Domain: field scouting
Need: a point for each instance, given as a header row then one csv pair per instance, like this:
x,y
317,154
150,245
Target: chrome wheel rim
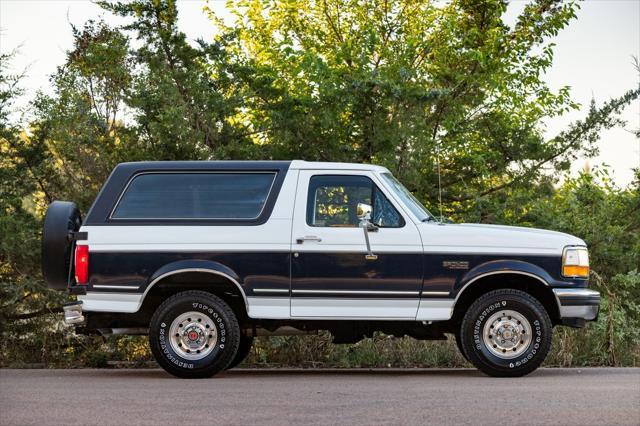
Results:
x,y
193,335
507,334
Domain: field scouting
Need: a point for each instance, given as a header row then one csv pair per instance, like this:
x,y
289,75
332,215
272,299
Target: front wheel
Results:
x,y
194,334
506,333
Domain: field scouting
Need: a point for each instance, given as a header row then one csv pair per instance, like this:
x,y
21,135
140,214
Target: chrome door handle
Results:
x,y
301,240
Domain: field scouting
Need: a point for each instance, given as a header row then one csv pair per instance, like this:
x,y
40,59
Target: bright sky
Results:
x,y
593,56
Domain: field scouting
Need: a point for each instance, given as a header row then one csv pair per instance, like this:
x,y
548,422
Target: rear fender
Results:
x,y
195,265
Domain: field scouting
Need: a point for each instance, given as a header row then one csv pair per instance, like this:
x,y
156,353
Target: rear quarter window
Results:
x,y
197,196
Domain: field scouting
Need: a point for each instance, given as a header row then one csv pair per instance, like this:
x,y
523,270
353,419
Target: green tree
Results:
x,y
415,85
407,84
183,109
23,295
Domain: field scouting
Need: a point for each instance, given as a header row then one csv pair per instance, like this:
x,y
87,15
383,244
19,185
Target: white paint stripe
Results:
x,y
435,309
270,308
180,248
308,308
348,308
110,302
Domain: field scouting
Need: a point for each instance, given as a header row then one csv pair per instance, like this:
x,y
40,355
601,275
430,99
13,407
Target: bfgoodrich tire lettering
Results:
x,y
534,321
216,312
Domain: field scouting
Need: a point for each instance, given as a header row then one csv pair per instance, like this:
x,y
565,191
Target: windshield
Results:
x,y
407,198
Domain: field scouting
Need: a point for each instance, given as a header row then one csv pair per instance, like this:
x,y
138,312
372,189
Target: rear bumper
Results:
x,y
577,303
73,314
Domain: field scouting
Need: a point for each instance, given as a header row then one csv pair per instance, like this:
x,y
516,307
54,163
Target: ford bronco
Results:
x,y
204,256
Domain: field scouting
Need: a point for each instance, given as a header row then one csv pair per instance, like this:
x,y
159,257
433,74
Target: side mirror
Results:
x,y
363,211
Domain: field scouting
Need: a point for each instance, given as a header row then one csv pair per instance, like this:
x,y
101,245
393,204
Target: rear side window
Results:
x,y
238,195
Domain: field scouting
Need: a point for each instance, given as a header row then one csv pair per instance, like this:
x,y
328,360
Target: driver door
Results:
x,y
332,276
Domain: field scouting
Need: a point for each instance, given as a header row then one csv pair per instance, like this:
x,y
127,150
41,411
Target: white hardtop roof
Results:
x,y
320,165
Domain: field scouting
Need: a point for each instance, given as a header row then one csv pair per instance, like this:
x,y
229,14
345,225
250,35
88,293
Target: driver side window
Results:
x,y
333,200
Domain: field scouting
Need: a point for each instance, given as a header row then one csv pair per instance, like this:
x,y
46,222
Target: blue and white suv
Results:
x,y
203,256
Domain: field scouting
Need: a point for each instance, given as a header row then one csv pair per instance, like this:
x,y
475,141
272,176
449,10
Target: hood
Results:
x,y
480,238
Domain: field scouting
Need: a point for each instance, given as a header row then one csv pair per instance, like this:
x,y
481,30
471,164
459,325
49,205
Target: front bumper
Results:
x,y
577,303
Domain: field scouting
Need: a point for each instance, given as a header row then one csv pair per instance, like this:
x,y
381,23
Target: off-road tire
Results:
x,y
458,340
243,351
226,327
62,217
475,345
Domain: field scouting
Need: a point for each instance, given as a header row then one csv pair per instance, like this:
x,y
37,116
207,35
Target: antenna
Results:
x,y
439,180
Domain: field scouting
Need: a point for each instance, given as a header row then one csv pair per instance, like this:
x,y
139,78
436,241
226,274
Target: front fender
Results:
x,y
496,267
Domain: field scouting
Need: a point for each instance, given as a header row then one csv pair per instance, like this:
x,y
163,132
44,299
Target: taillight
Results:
x,y
82,264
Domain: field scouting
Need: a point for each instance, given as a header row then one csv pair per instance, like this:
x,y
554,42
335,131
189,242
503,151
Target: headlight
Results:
x,y
575,262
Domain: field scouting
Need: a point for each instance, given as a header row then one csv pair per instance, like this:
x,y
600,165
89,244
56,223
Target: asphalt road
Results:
x,y
591,396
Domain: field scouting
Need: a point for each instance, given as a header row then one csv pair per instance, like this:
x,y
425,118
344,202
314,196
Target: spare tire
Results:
x,y
62,218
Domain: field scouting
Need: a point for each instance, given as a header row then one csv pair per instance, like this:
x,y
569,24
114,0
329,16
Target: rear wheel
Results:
x,y
506,333
194,334
458,339
243,351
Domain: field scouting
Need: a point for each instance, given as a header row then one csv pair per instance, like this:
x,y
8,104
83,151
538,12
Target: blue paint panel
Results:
x,y
440,279
251,270
400,272
396,272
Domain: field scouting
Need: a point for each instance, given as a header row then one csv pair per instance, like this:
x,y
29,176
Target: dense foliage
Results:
x,y
417,86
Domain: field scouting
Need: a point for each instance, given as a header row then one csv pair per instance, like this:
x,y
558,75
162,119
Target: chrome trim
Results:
x,y
164,172
354,292
436,293
573,292
180,271
73,314
271,290
301,240
117,287
586,312
507,334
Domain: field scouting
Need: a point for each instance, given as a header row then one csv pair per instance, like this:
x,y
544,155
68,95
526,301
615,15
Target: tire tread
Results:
x,y
233,334
479,361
